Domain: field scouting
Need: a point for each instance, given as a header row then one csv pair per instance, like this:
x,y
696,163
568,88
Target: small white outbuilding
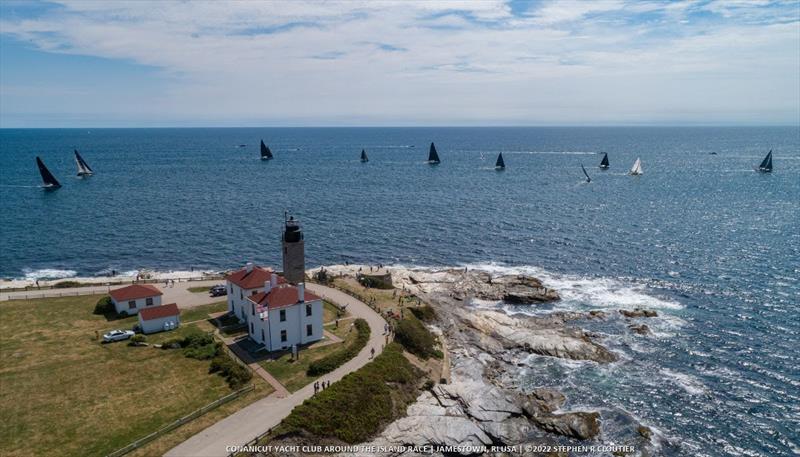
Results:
x,y
160,318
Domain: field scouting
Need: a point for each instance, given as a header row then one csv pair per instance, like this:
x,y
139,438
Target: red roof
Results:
x,y
254,279
158,312
278,297
134,292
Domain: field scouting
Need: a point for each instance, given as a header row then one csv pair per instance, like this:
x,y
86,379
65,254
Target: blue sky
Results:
x,y
84,63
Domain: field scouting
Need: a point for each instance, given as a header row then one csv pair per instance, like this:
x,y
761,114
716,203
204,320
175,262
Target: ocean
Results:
x,y
710,244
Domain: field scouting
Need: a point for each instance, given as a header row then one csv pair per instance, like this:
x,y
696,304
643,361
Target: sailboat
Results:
x,y
364,157
636,170
266,154
766,164
500,164
50,181
433,156
604,162
588,179
83,168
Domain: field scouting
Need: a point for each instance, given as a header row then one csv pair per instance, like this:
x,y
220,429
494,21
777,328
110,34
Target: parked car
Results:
x,y
117,335
218,290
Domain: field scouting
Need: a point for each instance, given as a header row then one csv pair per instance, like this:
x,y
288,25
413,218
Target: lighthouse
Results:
x,y
294,263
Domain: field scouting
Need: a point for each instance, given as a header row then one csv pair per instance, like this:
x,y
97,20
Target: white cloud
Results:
x,y
461,61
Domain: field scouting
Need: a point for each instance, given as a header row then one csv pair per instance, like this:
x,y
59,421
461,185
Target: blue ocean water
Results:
x,y
711,244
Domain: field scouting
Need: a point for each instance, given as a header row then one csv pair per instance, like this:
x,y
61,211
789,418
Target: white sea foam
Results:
x,y
47,273
688,382
595,292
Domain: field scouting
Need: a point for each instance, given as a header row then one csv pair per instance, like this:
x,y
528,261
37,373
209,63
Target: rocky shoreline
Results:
x,y
481,405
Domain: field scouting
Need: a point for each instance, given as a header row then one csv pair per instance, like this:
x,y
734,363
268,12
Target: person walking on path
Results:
x,y
372,353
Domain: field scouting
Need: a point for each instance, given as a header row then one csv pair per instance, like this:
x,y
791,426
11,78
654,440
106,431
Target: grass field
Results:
x,y
63,393
293,374
199,290
201,312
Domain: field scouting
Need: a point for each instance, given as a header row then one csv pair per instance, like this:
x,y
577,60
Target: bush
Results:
x,y
138,339
336,359
413,335
235,374
200,346
361,403
104,306
423,313
66,284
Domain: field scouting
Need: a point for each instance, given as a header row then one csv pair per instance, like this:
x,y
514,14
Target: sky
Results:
x,y
91,63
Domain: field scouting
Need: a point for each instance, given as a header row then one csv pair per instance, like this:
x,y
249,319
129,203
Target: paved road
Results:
x,y
178,293
247,423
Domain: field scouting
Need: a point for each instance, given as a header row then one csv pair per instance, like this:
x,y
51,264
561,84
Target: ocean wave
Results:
x,y
47,273
687,382
603,293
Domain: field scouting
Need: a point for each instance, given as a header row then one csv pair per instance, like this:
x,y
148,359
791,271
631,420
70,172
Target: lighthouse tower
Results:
x,y
294,263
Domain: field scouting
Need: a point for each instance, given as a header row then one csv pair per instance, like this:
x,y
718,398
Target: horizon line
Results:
x,y
737,125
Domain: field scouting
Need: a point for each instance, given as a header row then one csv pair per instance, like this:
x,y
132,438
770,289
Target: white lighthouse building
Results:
x,y
278,314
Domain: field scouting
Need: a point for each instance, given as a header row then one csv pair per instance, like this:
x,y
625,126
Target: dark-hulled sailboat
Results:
x,y
83,168
364,157
266,154
766,164
604,162
433,156
50,181
588,179
500,164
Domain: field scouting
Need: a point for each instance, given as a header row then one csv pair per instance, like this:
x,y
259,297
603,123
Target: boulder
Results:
x,y
641,329
581,425
435,430
638,312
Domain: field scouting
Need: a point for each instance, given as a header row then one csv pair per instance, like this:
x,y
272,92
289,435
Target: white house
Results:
x,y
134,298
245,283
160,318
284,315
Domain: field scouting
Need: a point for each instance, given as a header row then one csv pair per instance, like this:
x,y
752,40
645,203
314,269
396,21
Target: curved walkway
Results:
x,y
255,419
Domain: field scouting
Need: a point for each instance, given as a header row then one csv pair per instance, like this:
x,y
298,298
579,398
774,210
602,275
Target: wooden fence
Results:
x,y
183,420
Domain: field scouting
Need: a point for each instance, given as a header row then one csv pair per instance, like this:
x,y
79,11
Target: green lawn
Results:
x,y
199,290
201,312
293,374
64,394
330,312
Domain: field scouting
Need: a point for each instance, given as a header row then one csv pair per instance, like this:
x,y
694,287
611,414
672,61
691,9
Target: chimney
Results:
x,y
301,292
273,279
267,286
248,266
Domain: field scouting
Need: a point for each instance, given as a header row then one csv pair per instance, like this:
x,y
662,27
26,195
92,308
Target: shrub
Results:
x,y
336,359
413,335
423,313
104,306
235,374
66,284
137,340
361,403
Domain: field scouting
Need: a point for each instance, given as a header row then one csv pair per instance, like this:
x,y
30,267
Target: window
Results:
x,y
132,304
283,336
251,328
309,330
253,293
262,334
231,287
241,295
148,301
252,309
308,310
283,315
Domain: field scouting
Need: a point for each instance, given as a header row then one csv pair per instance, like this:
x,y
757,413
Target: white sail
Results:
x,y
637,167
81,169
